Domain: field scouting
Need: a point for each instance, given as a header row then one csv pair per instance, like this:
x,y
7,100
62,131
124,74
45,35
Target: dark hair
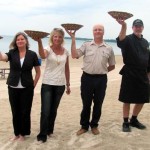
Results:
x,y
13,44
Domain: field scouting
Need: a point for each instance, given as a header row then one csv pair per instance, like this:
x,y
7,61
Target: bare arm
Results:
x,y
37,75
110,68
74,53
67,74
42,52
122,33
3,57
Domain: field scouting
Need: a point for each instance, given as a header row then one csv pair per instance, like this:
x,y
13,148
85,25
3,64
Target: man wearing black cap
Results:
x,y
135,83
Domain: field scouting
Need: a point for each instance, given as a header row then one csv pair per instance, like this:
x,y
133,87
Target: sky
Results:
x,y
44,15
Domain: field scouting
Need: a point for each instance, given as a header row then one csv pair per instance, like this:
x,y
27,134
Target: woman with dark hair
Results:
x,y
21,83
56,76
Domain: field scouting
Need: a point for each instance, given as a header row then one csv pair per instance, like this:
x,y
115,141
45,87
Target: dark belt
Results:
x,y
94,75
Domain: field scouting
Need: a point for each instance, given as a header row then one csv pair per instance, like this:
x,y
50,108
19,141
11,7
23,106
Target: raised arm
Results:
x,y
122,33
74,53
42,52
3,57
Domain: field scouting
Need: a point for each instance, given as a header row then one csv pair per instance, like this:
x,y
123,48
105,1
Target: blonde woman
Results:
x,y
56,77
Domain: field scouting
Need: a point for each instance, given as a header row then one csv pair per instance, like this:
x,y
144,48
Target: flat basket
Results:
x,y
120,14
36,34
71,26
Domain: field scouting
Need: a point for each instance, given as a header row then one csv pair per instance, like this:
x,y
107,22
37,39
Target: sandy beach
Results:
x,y
111,136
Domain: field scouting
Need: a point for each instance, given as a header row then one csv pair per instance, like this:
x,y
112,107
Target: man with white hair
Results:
x,y
98,60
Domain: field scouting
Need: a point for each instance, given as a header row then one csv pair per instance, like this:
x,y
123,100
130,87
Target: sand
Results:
x,y
111,136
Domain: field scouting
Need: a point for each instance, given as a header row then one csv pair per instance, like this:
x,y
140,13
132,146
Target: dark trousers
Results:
x,y
50,99
21,103
93,88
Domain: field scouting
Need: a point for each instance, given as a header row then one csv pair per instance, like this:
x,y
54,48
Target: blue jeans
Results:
x,y
50,99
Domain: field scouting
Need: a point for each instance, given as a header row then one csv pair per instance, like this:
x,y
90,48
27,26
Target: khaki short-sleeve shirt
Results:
x,y
96,58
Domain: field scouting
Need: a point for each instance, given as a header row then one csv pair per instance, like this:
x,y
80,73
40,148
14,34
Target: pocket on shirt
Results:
x,y
105,54
89,56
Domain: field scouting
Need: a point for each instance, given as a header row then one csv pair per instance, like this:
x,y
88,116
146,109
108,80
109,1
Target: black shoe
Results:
x,y
126,127
137,124
41,138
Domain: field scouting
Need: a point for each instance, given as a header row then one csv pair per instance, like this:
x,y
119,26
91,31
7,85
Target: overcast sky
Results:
x,y
44,15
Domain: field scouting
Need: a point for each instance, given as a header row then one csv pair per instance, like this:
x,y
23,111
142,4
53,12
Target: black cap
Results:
x,y
138,22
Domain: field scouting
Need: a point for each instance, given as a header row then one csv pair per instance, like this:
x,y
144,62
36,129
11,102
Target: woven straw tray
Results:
x,y
71,26
1,37
36,34
120,14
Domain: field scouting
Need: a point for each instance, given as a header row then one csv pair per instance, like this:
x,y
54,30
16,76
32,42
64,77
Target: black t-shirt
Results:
x,y
135,51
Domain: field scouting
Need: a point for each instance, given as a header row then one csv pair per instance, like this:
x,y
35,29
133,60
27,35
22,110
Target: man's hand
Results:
x,y
121,21
71,33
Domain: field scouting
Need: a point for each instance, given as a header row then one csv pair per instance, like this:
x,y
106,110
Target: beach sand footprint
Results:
x,y
116,130
87,140
92,142
73,139
10,145
38,145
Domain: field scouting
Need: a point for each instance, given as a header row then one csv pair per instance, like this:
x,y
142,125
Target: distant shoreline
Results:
x,y
79,38
86,39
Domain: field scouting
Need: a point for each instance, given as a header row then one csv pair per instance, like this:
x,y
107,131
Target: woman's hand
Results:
x,y
3,57
36,39
68,91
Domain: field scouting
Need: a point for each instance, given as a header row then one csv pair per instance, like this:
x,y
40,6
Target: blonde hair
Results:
x,y
56,30
13,44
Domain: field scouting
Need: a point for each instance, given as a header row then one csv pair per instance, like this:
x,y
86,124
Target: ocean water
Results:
x,y
6,40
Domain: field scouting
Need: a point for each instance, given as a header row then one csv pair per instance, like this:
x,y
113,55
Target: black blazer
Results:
x,y
25,72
